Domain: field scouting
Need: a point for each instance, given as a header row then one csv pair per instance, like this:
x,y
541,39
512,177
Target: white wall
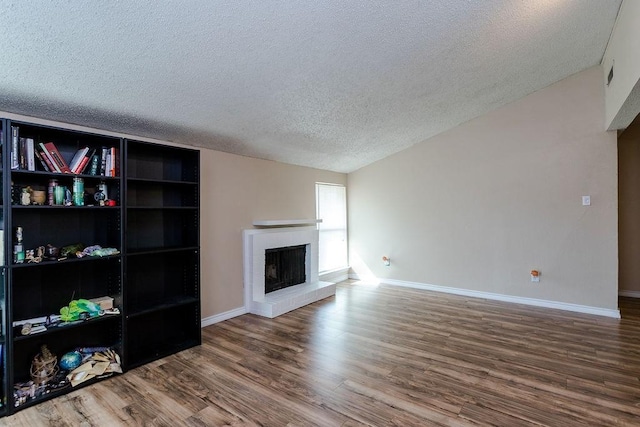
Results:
x,y
623,94
481,205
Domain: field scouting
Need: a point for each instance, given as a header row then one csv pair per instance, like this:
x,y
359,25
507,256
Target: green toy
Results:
x,y
75,309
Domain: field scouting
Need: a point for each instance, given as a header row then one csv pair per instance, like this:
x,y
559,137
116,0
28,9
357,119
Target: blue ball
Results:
x,y
71,360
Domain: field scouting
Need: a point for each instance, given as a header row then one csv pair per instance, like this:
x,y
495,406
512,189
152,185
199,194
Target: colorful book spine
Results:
x,y
112,166
85,161
57,157
103,161
77,158
47,157
44,164
116,162
22,153
31,154
15,148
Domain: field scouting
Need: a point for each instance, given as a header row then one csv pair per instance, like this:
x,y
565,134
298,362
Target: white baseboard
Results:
x,y
223,316
457,291
500,297
630,294
356,276
335,276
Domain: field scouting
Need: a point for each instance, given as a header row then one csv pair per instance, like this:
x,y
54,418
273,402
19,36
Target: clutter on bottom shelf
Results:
x,y
74,368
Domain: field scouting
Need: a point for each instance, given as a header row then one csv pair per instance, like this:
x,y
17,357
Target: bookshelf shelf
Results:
x,y
67,327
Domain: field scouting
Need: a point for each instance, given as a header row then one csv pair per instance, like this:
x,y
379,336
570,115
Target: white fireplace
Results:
x,y
277,235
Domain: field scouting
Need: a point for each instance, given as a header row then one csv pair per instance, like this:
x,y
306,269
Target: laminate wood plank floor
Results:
x,y
380,356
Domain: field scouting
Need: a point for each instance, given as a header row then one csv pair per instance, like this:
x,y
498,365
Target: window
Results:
x,y
331,208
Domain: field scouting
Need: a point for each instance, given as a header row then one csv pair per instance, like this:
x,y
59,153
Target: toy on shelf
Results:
x,y
80,309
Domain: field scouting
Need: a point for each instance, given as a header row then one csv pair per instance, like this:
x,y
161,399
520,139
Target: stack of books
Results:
x,y
104,161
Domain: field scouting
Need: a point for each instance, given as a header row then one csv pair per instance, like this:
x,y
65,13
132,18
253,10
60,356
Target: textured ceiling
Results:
x,y
327,83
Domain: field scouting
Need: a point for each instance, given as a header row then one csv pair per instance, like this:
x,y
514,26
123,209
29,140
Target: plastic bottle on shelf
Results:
x,y
18,248
78,192
50,191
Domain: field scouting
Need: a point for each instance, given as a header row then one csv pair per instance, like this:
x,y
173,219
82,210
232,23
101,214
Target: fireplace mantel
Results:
x,y
272,304
284,222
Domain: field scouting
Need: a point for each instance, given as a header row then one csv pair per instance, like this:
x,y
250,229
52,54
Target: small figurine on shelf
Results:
x,y
51,252
25,196
101,193
38,197
35,255
44,366
68,197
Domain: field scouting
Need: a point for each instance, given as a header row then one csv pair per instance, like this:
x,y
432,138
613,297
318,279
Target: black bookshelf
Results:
x,y
4,371
162,295
143,202
41,289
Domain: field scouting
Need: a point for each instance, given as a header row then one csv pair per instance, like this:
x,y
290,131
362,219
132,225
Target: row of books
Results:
x,y
24,152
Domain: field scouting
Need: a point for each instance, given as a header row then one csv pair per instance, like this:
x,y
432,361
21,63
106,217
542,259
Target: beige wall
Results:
x,y
236,191
479,206
629,207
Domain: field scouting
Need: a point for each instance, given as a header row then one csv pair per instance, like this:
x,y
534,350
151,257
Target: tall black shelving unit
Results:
x,y
36,290
162,269
154,280
4,372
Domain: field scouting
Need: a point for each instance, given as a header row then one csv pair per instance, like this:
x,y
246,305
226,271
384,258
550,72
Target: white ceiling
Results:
x,y
327,83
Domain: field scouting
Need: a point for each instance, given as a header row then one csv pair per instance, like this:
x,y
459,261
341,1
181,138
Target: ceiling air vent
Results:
x,y
610,76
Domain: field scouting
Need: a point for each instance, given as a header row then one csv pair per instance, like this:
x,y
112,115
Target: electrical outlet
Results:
x,y
535,275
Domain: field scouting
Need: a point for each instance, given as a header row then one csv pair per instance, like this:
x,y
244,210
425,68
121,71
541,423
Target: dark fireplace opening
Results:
x,y
284,267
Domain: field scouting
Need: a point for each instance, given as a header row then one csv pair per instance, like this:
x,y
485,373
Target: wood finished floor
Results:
x,y
381,356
